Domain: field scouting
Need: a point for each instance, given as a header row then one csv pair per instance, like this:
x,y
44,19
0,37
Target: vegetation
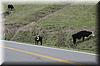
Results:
x,y
55,23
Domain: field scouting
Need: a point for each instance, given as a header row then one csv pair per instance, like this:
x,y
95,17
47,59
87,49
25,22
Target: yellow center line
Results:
x,y
40,55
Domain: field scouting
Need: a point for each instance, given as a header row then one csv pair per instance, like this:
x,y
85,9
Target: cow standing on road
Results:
x,y
38,39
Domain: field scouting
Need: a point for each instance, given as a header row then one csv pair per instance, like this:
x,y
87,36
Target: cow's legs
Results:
x,y
74,40
41,42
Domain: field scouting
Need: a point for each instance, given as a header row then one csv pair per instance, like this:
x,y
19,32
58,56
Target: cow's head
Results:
x,y
93,34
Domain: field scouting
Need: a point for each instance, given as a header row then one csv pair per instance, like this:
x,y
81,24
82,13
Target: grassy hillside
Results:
x,y
18,18
56,23
69,20
26,14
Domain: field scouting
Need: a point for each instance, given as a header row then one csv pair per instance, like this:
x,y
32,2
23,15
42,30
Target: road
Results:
x,y
22,52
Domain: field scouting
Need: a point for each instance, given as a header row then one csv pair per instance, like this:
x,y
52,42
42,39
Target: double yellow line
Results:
x,y
40,55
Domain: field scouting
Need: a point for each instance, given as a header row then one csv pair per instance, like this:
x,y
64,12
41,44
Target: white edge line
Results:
x,y
49,47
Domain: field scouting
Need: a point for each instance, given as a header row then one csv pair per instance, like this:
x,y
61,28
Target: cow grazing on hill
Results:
x,y
81,34
10,7
38,39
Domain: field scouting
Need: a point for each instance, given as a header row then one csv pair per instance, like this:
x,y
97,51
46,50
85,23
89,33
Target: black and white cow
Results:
x,y
38,39
81,34
10,7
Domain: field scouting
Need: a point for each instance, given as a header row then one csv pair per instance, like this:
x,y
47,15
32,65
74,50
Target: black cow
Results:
x,y
38,39
81,34
10,7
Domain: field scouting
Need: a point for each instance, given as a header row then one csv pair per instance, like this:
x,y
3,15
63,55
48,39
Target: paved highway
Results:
x,y
22,52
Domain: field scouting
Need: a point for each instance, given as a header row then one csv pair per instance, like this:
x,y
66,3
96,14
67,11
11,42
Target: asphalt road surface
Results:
x,y
22,52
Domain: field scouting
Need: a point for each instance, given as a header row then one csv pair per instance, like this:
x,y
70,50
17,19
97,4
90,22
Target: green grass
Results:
x,y
76,16
73,19
20,17
22,12
56,28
